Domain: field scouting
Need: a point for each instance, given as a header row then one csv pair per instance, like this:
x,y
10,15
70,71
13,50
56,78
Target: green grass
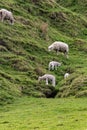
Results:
x,y
24,57
44,114
24,47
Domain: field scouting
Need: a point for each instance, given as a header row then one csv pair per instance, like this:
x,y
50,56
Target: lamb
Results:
x,y
48,77
59,46
53,65
6,15
66,75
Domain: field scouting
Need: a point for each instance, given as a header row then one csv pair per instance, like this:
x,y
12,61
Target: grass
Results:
x,y
24,52
24,57
44,114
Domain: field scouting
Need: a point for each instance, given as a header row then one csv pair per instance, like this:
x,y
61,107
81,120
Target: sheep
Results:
x,y
59,46
6,15
66,75
53,65
48,77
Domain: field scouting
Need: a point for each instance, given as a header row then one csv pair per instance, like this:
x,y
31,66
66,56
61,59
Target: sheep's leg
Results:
x,y
52,67
46,81
2,19
53,83
57,52
66,55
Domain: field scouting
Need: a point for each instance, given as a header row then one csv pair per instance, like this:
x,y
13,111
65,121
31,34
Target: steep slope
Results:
x,y
24,48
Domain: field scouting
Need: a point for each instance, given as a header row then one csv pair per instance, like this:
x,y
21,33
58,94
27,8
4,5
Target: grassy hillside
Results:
x,y
24,48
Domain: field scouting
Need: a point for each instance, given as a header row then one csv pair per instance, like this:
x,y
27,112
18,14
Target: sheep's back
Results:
x,y
61,46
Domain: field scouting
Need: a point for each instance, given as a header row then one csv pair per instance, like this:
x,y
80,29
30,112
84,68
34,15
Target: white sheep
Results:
x,y
53,65
6,15
48,77
59,46
66,75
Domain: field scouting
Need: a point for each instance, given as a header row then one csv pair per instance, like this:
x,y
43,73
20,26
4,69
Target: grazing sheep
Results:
x,y
53,65
59,46
6,15
66,75
48,77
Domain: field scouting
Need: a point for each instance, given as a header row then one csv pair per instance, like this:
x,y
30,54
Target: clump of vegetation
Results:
x,y
2,48
73,86
44,30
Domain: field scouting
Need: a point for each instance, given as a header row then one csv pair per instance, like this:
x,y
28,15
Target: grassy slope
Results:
x,y
23,47
44,114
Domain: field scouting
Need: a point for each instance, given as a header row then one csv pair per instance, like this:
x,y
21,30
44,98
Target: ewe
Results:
x,y
59,46
48,77
66,75
6,15
53,65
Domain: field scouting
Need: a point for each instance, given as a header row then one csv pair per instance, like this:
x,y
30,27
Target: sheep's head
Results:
x,y
66,75
39,78
50,48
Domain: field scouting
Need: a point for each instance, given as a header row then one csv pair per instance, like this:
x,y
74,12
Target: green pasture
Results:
x,y
44,114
